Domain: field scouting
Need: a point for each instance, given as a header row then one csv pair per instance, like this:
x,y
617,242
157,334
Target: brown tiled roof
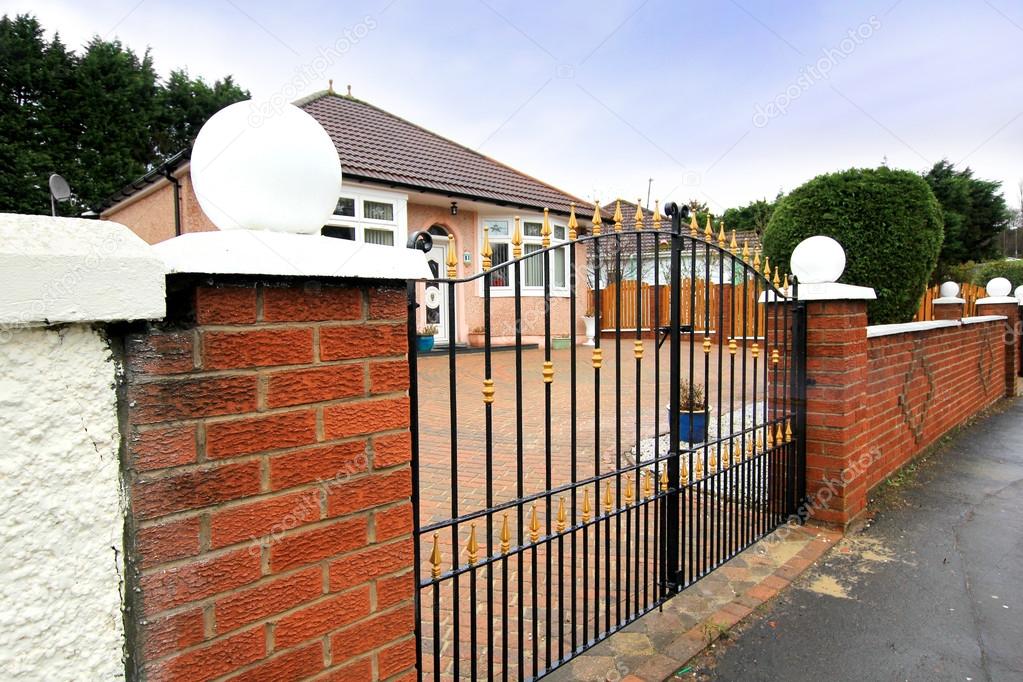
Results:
x,y
378,146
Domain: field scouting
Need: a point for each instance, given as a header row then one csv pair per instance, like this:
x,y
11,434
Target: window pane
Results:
x,y
559,231
377,210
534,266
498,228
385,237
532,229
500,255
345,206
338,232
558,265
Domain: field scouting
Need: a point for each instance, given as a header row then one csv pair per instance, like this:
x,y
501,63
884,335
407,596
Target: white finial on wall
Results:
x,y
818,260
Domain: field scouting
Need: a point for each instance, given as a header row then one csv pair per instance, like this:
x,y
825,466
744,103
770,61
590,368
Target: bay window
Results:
x,y
532,271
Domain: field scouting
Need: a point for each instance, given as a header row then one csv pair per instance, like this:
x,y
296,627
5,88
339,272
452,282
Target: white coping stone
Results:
x,y
997,299
977,319
251,252
948,300
826,291
908,327
57,270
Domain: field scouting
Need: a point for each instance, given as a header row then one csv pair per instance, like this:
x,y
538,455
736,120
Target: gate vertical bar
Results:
x,y
672,500
413,396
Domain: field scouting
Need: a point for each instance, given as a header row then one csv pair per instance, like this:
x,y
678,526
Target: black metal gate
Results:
x,y
554,503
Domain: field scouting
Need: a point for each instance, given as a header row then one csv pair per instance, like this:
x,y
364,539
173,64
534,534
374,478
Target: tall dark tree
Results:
x,y
100,118
974,211
753,217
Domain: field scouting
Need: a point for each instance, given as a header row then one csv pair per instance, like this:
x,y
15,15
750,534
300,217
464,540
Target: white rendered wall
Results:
x,y
61,557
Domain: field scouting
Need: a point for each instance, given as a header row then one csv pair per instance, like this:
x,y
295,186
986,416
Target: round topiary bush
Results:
x,y
888,221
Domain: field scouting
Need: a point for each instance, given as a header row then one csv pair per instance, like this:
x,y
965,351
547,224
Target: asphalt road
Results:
x,y
930,589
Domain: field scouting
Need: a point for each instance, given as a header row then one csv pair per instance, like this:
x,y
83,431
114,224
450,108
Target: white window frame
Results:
x,y
509,289
399,226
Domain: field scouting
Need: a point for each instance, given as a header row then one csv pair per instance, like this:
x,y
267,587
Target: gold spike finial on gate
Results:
x,y
775,356
706,344
486,251
770,437
648,485
734,246
452,259
684,473
779,437
505,535
639,214
637,349
657,214
598,358
617,217
628,489
561,514
608,500
760,441
545,230
777,281
749,447
732,346
488,391
664,479
785,282
721,234
788,430
767,268
755,350
708,231
745,249
712,461
473,548
573,224
516,238
596,218
534,524
548,372
586,505
756,260
435,557
698,473
693,225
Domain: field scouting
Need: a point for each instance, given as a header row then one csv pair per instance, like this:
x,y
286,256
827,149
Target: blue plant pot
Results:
x,y
694,429
424,343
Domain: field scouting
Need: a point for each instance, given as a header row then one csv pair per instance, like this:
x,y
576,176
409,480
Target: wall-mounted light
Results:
x,y
454,208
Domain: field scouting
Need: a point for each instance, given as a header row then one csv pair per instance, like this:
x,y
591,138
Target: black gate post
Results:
x,y
799,397
671,508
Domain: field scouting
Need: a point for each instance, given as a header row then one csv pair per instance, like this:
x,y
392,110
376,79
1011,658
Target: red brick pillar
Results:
x,y
269,480
1009,307
948,308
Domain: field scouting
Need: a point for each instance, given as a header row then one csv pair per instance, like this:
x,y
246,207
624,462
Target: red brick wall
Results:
x,y
922,385
268,456
875,403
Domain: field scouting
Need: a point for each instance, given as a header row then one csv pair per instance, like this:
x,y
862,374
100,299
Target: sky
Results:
x,y
724,101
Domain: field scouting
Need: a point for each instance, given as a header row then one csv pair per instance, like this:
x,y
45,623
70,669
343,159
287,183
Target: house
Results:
x,y
399,178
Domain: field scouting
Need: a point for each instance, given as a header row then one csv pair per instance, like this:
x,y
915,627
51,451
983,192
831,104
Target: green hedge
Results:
x,y
984,272
887,220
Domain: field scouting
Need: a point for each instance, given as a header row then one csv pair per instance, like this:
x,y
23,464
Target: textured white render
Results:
x,y
61,538
75,270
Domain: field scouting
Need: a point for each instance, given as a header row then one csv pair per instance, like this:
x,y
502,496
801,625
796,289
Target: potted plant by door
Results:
x,y
692,412
424,339
477,337
591,326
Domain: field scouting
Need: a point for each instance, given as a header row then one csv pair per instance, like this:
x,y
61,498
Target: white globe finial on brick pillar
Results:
x,y
818,260
265,168
949,290
1019,293
999,286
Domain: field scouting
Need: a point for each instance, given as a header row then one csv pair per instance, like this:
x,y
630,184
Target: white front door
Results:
x,y
438,316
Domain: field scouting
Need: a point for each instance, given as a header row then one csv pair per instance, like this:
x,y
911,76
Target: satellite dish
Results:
x,y
59,191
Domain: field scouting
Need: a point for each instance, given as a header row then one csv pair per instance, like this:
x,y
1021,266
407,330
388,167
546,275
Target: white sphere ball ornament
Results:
x,y
818,259
999,286
278,172
1019,292
949,290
